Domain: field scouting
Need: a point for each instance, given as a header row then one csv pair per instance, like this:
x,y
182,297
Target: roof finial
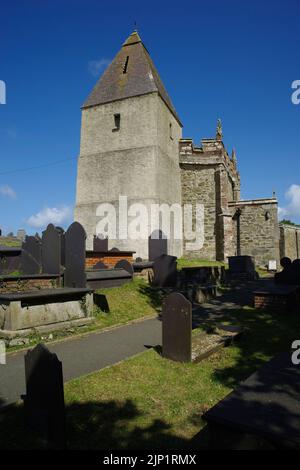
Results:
x,y
135,25
219,134
233,155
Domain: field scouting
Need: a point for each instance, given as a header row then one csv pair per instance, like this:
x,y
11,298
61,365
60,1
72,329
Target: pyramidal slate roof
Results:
x,y
131,73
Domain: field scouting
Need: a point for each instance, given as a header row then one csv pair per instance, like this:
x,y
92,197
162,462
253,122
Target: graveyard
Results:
x,y
149,248
204,330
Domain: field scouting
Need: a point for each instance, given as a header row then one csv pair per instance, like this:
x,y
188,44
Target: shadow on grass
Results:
x,y
93,425
155,296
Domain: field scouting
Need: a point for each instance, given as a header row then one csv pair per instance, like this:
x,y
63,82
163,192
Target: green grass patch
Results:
x,y
129,302
182,262
10,242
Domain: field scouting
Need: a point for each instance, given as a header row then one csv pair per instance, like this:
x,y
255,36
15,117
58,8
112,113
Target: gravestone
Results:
x,y
100,301
264,409
62,246
100,243
44,400
31,257
99,265
74,275
177,328
157,245
124,264
241,264
165,271
51,250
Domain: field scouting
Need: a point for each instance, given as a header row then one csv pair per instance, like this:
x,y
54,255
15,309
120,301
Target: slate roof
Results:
x,y
141,77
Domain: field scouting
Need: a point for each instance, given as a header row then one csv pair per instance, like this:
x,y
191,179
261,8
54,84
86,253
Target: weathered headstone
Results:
x,y
157,245
51,250
241,264
99,265
74,275
44,400
100,243
62,245
177,328
31,257
124,264
165,271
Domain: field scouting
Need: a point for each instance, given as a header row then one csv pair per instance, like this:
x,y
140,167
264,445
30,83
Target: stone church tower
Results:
x,y
130,134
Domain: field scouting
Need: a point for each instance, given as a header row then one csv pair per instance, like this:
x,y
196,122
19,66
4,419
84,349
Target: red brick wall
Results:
x,y
110,260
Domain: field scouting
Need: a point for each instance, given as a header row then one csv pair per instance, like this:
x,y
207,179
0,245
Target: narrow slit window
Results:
x,y
171,131
126,65
117,120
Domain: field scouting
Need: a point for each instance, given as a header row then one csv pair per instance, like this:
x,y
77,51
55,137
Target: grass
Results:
x,y
10,242
182,262
150,402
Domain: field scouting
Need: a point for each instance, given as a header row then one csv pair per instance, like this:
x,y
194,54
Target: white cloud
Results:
x,y
95,67
50,215
292,209
7,191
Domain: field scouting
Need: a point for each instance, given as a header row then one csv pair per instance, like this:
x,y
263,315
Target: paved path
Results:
x,y
89,353
83,355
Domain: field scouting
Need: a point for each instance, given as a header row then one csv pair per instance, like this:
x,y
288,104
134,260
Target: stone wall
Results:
x,y
199,186
210,177
139,160
259,232
289,241
19,284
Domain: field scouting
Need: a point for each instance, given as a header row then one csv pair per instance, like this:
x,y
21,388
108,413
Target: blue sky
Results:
x,y
229,59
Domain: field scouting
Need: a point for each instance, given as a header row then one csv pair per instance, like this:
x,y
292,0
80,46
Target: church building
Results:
x,y
131,145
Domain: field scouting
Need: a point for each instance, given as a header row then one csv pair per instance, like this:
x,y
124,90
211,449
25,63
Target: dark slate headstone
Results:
x,y
177,328
13,263
100,243
241,264
62,245
124,264
165,271
51,250
265,406
74,275
10,261
99,265
100,301
44,400
31,257
157,245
